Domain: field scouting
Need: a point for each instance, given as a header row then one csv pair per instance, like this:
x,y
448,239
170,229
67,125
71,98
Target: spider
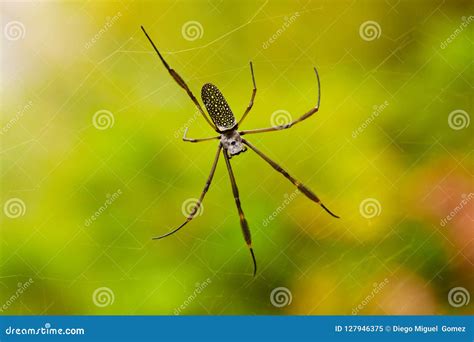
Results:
x,y
231,143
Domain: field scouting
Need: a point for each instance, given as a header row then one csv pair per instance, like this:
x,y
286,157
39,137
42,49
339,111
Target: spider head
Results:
x,y
232,143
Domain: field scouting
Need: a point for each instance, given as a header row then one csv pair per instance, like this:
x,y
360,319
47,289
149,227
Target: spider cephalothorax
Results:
x,y
231,142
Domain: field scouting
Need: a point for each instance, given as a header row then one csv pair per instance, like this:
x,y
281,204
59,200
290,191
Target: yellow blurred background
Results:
x,y
93,165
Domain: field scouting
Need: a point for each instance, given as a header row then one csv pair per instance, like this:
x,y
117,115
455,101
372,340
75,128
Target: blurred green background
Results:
x,y
91,125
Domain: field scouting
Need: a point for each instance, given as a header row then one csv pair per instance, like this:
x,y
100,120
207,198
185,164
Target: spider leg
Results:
x,y
203,193
308,193
294,122
252,98
180,81
185,138
243,221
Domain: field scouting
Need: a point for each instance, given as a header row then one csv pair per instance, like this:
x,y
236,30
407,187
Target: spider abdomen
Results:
x,y
217,107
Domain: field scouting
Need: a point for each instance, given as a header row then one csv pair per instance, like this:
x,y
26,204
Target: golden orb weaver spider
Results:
x,y
231,143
